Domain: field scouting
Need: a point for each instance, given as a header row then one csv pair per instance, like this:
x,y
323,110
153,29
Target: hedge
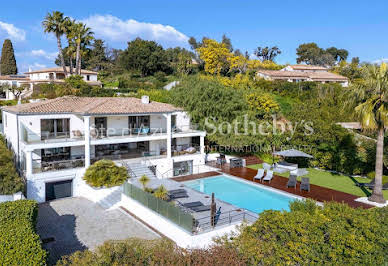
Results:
x,y
19,243
10,181
335,234
135,251
105,173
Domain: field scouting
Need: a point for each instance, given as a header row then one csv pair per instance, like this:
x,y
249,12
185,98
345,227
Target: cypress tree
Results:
x,y
8,61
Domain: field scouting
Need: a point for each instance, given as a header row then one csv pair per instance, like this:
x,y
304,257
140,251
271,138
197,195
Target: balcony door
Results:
x,y
101,125
54,128
136,122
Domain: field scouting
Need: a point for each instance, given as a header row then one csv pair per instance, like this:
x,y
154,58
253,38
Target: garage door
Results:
x,y
57,190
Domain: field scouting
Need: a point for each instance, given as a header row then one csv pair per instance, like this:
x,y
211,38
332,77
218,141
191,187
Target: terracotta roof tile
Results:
x,y
92,106
308,67
315,76
60,70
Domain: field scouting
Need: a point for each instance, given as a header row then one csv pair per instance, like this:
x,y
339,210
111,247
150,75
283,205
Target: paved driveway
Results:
x,y
72,224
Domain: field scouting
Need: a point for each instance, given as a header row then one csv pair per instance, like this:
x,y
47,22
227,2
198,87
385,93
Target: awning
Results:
x,y
292,153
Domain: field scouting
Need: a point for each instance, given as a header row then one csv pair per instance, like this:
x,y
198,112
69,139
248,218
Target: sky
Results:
x,y
361,27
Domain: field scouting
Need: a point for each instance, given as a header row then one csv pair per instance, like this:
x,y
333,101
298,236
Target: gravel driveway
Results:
x,y
72,224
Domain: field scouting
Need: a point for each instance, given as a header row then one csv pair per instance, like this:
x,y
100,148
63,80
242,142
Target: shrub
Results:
x,y
105,173
310,234
10,181
19,244
135,251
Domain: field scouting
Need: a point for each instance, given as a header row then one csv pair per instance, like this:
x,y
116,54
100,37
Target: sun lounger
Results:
x,y
201,208
371,184
292,181
266,166
268,177
305,184
178,195
259,175
175,191
192,204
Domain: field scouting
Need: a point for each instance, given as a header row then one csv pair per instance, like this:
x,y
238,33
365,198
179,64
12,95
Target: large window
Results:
x,y
54,128
56,154
138,122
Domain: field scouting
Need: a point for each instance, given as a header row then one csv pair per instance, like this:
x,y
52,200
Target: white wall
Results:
x,y
10,129
158,122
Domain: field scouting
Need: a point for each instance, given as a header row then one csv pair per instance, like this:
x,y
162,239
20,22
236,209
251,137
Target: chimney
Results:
x,y
145,99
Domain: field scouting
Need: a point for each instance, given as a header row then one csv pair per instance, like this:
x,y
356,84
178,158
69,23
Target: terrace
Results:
x,y
317,192
191,221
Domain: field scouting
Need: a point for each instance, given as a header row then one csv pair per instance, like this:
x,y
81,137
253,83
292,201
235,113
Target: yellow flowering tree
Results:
x,y
262,104
215,55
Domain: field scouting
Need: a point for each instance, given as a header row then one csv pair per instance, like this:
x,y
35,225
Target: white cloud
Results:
x,y
114,29
12,31
379,61
42,53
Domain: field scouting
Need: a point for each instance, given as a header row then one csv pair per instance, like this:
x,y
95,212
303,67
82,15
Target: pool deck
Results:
x,y
317,193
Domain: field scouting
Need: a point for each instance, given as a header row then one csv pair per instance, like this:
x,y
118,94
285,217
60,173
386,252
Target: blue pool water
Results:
x,y
241,194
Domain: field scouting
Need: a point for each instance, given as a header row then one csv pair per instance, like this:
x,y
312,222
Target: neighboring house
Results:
x,y
56,140
298,73
47,75
11,80
57,75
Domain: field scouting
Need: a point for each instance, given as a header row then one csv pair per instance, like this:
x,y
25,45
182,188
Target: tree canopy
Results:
x,y
144,56
312,54
8,61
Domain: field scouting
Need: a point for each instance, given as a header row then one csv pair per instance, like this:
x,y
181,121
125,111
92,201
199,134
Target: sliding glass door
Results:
x,y
54,128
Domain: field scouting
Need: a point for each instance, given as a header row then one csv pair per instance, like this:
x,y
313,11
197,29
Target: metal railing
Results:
x,y
47,137
185,128
224,218
164,208
196,169
185,149
40,166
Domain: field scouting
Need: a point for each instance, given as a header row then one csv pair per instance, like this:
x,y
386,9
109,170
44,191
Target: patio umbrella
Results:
x,y
293,153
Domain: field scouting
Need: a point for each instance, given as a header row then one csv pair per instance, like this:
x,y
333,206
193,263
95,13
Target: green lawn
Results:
x,y
334,181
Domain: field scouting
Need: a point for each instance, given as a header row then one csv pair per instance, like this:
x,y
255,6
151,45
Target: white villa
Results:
x,y
54,141
46,75
298,73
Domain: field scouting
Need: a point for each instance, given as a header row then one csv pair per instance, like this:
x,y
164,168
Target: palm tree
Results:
x,y
71,49
82,35
58,24
373,114
144,181
161,193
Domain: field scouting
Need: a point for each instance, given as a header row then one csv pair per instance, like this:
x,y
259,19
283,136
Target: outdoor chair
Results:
x,y
305,184
385,186
292,181
268,177
299,172
259,175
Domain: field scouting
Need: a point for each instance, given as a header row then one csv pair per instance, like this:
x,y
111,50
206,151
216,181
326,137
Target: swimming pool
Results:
x,y
242,194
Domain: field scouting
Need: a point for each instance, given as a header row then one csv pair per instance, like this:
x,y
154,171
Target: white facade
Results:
x,y
46,155
11,81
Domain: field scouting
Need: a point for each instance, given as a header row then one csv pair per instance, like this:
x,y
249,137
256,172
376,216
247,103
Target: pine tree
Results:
x,y
8,61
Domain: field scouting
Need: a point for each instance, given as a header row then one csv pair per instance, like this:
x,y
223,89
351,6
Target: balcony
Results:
x,y
186,149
